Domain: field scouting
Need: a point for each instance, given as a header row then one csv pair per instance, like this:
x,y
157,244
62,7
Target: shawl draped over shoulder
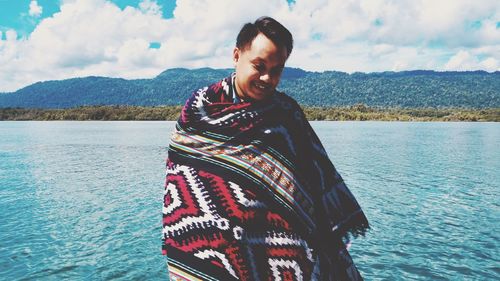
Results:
x,y
251,194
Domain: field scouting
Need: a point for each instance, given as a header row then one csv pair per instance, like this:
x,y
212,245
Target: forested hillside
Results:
x,y
409,89
398,89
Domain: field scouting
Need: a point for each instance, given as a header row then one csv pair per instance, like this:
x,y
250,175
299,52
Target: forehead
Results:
x,y
263,49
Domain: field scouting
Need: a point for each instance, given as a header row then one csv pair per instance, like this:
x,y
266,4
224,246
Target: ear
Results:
x,y
236,54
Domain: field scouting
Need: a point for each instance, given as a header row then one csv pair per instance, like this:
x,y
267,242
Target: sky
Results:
x,y
44,40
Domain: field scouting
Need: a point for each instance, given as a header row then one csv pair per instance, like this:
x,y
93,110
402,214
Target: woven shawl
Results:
x,y
251,194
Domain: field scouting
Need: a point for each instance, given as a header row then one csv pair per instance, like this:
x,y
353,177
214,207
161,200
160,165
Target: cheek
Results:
x,y
251,75
275,81
252,72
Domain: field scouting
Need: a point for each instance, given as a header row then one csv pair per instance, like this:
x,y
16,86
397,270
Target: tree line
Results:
x,y
359,112
408,89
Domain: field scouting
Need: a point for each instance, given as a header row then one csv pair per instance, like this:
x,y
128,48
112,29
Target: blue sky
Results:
x,y
14,14
58,39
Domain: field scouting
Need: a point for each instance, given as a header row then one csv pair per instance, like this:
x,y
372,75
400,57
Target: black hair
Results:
x,y
271,28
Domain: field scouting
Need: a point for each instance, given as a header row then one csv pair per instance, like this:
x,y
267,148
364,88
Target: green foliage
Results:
x,y
120,113
409,89
358,112
361,112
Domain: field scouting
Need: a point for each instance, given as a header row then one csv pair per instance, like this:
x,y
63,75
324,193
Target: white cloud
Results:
x,y
490,64
95,37
466,61
35,9
462,60
150,7
87,37
11,35
382,49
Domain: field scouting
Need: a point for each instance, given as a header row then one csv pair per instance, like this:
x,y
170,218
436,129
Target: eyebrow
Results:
x,y
257,60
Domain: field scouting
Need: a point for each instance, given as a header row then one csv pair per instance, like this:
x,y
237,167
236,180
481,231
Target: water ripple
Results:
x,y
82,200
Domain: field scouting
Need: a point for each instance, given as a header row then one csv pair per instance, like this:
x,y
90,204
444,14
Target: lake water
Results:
x,y
82,200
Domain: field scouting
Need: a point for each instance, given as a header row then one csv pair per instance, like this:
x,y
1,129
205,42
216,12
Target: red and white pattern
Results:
x,y
223,223
249,189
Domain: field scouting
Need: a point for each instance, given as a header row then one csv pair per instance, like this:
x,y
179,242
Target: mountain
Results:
x,y
410,89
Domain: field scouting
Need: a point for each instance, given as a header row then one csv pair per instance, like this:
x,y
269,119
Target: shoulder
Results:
x,y
287,102
216,92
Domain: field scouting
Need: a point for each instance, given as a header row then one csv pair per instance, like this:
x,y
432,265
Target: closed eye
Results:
x,y
259,67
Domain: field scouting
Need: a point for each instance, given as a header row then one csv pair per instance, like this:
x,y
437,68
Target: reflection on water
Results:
x,y
430,191
82,200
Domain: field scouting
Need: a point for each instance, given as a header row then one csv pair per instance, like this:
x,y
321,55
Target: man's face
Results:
x,y
258,68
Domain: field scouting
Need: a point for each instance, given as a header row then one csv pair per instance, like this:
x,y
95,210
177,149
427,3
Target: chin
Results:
x,y
261,97
258,95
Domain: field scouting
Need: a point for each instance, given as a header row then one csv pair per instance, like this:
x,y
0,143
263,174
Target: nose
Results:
x,y
265,78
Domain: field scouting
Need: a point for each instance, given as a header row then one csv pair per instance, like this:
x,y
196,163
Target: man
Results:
x,y
250,192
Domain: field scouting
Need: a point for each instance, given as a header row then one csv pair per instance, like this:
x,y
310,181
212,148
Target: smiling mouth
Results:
x,y
262,87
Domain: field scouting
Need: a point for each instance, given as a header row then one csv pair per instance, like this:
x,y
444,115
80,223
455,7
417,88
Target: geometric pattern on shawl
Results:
x,y
250,191
210,225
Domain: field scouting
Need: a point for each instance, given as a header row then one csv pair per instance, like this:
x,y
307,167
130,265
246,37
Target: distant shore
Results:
x,y
358,112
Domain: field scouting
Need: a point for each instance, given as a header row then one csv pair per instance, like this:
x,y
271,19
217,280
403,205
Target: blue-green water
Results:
x,y
82,200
